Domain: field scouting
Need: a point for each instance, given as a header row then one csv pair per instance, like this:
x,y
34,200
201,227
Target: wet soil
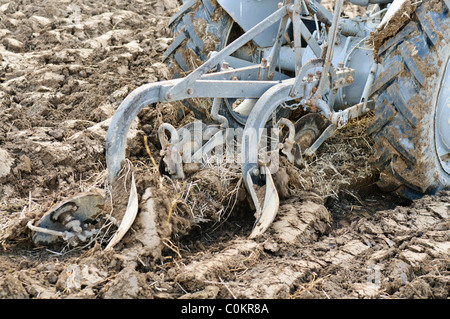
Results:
x,y
65,68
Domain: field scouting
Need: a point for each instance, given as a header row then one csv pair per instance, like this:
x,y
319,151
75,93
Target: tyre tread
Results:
x,y
397,91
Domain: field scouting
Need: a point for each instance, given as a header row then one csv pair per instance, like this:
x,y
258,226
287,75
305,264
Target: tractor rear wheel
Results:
x,y
411,128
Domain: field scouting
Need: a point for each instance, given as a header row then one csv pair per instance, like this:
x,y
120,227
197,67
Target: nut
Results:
x,y
263,62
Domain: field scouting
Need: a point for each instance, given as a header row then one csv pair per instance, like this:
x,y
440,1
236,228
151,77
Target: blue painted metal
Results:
x,y
248,13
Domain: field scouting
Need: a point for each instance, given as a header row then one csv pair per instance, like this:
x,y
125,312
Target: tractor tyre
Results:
x,y
411,128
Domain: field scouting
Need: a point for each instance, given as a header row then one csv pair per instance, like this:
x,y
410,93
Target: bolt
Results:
x,y
350,79
263,62
190,91
340,65
318,73
170,96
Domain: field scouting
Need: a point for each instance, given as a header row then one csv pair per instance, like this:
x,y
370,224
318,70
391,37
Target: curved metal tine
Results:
x,y
172,151
215,113
257,119
122,119
288,146
129,216
156,92
252,135
290,126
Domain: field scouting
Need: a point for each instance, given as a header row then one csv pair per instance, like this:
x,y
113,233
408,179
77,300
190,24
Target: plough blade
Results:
x,y
128,218
269,209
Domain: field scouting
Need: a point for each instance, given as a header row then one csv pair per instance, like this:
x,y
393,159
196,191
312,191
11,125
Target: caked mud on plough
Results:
x,y
315,60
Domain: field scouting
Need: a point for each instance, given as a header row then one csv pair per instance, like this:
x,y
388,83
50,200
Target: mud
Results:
x,y
392,25
65,68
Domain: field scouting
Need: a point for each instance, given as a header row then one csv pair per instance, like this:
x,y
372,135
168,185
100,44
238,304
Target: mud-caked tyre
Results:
x,y
198,28
411,128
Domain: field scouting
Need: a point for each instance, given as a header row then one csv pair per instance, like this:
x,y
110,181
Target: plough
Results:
x,y
264,82
331,73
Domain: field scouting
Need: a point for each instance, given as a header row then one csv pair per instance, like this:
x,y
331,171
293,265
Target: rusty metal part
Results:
x,y
328,51
308,129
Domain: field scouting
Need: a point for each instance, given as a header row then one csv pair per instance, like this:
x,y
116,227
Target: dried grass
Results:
x,y
342,160
210,194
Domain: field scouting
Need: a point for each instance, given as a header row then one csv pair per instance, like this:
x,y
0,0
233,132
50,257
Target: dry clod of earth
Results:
x,y
65,66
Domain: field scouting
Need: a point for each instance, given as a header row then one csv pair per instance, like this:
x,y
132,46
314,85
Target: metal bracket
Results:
x,y
186,85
